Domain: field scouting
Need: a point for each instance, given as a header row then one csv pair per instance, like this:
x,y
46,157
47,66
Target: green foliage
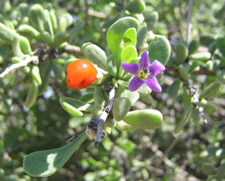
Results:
x,y
95,54
115,35
177,134
145,118
45,163
159,49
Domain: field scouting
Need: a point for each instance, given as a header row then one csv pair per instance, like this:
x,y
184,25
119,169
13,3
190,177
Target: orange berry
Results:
x,y
80,74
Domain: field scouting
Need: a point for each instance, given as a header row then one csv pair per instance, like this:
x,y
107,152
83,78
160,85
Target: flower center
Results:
x,y
143,74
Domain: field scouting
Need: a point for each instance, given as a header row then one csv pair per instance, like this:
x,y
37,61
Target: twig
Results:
x,y
189,27
28,59
201,71
95,127
97,14
194,93
172,144
73,50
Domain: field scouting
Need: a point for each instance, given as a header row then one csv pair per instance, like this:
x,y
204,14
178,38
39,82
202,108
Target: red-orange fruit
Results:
x,y
81,74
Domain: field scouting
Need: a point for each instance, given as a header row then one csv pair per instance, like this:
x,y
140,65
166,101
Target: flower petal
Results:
x,y
154,84
156,68
130,67
135,83
144,61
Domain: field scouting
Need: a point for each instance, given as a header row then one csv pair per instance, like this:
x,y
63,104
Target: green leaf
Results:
x,y
129,53
209,107
28,31
65,21
48,23
151,18
193,66
37,17
123,126
58,70
121,107
111,65
25,45
115,34
159,49
32,94
36,74
142,36
144,118
212,89
16,48
193,46
200,56
71,109
220,171
74,106
132,96
135,6
45,69
53,20
220,43
130,37
95,54
7,34
206,40
99,97
186,117
146,98
183,71
174,88
181,51
46,37
60,38
46,163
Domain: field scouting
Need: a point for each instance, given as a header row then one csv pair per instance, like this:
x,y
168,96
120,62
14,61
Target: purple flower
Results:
x,y
144,72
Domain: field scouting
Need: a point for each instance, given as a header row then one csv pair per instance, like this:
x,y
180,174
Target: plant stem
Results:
x,y
28,59
189,27
97,124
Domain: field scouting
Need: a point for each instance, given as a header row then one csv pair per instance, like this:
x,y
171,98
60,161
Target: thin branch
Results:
x,y
28,59
189,26
95,127
201,71
73,50
172,144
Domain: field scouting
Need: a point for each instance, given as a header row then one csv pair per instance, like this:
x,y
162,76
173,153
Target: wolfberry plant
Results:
x,y
112,90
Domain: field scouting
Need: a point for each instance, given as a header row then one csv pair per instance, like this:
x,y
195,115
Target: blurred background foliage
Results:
x,y
196,153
